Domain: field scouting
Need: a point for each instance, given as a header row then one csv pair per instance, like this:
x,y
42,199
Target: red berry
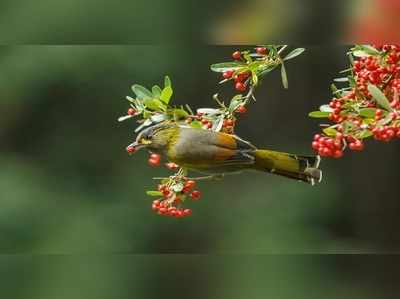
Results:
x,y
241,109
204,121
242,77
172,165
240,86
162,210
261,50
228,122
228,74
131,111
166,193
315,145
316,137
131,149
179,213
155,156
187,212
154,162
326,152
236,55
189,185
338,154
195,195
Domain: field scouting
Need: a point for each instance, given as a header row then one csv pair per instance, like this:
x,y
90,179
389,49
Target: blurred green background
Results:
x,y
74,219
68,188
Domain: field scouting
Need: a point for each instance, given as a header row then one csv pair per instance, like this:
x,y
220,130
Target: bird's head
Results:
x,y
155,138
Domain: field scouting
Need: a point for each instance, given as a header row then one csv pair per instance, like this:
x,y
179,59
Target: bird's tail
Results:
x,y
302,168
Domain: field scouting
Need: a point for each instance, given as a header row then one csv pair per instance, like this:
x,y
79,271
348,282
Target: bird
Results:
x,y
217,153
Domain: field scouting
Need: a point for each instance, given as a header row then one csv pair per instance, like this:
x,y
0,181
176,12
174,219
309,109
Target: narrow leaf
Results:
x,y
180,113
325,108
294,53
330,132
365,134
166,94
147,123
379,97
369,49
154,193
318,114
167,82
225,66
368,112
142,92
284,77
156,91
254,78
154,104
196,124
344,79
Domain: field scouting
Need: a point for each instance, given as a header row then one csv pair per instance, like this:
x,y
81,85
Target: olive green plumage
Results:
x,y
217,153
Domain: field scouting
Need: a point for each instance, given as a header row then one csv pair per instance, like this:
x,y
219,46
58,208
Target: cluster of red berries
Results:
x,y
386,133
240,80
208,123
171,203
379,70
333,147
162,209
383,71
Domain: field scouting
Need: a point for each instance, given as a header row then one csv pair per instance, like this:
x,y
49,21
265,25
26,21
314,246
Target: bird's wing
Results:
x,y
232,150
233,142
206,149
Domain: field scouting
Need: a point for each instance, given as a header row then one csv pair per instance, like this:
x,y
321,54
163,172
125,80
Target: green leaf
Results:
x,y
235,102
179,113
344,79
141,92
225,66
368,112
255,65
147,123
156,91
379,97
369,49
254,78
154,104
294,53
365,134
154,193
330,132
359,53
325,108
318,114
247,57
166,94
167,82
364,50
284,77
196,124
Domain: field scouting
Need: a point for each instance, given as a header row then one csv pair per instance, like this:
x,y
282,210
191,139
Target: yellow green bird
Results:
x,y
212,152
